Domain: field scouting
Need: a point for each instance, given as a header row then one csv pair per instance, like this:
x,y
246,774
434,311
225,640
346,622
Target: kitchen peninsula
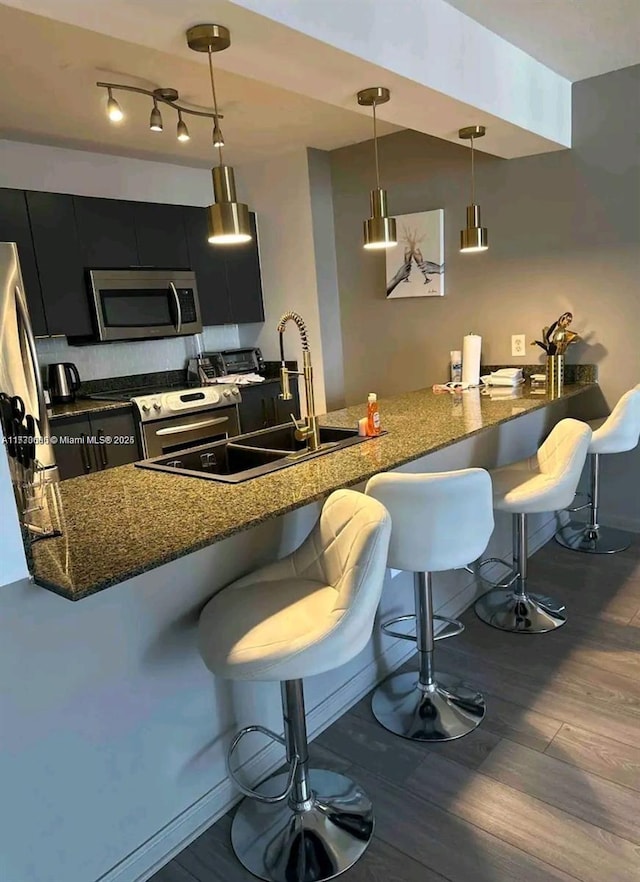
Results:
x,y
126,521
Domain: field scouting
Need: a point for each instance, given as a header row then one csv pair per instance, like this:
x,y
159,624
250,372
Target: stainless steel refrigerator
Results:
x,y
23,413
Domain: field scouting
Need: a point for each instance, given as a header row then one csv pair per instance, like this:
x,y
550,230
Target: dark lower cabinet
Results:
x,y
71,449
262,407
80,450
60,263
123,447
14,227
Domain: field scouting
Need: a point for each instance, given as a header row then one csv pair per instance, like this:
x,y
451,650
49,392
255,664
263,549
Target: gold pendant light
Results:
x,y
475,236
379,229
228,219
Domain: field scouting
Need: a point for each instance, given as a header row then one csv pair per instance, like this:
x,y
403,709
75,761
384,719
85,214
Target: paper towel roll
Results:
x,y
471,360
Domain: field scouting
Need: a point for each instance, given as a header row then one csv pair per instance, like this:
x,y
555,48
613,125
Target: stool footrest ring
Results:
x,y
248,791
475,569
387,629
580,507
457,626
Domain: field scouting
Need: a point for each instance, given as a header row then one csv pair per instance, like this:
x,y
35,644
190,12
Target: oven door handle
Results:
x,y
178,307
177,430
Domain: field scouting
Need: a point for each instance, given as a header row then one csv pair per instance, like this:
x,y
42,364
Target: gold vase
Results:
x,y
555,374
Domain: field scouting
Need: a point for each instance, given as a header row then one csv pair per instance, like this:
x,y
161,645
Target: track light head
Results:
x,y
218,137
155,120
182,131
114,111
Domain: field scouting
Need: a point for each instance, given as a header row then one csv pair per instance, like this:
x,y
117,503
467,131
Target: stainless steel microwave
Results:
x,y
143,304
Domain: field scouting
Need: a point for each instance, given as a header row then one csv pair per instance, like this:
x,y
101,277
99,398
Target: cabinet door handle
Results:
x,y
84,453
102,447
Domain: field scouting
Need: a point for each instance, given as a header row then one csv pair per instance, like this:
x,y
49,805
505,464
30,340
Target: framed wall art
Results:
x,y
415,267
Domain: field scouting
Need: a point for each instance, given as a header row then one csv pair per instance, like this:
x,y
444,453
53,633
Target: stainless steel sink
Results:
x,y
250,456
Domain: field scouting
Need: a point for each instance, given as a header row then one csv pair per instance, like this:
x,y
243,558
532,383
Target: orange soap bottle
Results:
x,y
373,414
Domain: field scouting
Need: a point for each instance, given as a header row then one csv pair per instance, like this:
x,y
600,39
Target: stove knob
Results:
x,y
227,393
145,408
157,405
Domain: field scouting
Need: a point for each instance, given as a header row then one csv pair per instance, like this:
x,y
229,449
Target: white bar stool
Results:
x,y
618,433
440,521
541,483
308,613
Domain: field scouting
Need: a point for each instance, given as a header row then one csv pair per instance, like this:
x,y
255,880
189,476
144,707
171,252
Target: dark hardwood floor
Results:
x,y
547,789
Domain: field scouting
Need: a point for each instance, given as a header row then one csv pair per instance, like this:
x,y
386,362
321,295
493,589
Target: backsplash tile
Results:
x,y
147,356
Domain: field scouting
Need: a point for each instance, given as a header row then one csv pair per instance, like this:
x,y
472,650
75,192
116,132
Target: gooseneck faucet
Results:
x,y
307,429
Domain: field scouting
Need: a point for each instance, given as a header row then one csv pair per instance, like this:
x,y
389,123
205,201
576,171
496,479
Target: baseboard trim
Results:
x,y
157,851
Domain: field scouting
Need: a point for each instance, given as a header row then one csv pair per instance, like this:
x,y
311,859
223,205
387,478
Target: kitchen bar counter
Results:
x,y
125,521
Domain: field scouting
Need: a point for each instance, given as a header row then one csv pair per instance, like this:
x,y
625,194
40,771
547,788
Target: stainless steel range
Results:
x,y
176,418
182,418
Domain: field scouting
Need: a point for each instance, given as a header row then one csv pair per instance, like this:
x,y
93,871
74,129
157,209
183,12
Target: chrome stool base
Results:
x,y
590,540
449,710
279,843
526,613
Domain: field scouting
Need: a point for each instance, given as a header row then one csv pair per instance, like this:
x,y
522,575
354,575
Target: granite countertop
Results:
x,y
125,521
84,406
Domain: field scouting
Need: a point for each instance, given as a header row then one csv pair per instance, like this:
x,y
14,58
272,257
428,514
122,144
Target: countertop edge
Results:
x,y
281,510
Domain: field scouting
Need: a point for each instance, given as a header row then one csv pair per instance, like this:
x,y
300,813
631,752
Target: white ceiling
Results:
x,y
52,69
575,38
300,92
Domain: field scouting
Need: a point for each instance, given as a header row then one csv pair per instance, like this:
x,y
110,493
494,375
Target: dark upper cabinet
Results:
x,y
14,227
208,263
228,276
61,236
244,280
107,233
161,237
60,263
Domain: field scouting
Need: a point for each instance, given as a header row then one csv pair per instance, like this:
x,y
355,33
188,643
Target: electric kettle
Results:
x,y
63,381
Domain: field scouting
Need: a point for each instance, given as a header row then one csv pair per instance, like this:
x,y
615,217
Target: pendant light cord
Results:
x,y
215,102
473,176
375,144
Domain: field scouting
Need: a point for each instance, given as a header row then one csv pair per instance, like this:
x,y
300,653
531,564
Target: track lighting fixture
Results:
x,y
228,219
114,111
379,229
182,131
165,96
474,237
155,120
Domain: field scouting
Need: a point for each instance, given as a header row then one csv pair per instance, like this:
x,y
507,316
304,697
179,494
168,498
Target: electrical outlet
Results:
x,y
518,345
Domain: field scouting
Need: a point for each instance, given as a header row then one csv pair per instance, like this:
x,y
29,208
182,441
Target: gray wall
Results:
x,y
327,276
564,233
